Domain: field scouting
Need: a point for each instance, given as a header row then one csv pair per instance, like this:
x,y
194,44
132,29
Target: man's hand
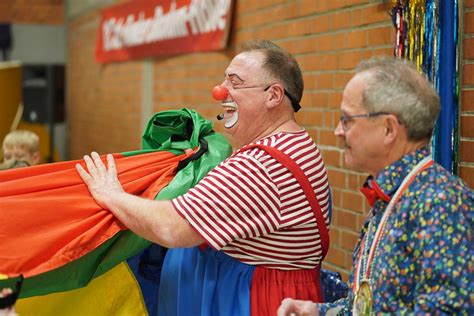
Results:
x,y
290,307
102,183
9,311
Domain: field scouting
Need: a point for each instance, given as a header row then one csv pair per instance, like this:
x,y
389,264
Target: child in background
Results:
x,y
21,146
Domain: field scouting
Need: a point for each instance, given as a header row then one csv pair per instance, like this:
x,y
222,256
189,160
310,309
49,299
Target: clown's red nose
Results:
x,y
220,93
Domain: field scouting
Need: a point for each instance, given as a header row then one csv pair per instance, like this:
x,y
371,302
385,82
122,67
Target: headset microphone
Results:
x,y
220,93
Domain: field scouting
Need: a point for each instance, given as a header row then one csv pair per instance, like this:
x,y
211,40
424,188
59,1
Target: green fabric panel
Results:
x,y
175,129
194,127
185,128
79,272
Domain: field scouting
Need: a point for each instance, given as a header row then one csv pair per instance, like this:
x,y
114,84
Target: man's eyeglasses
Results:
x,y
345,119
296,106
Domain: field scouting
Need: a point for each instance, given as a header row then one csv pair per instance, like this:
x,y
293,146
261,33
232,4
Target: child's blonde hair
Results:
x,y
23,139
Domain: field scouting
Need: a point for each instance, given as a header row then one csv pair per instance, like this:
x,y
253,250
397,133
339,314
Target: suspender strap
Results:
x,y
299,175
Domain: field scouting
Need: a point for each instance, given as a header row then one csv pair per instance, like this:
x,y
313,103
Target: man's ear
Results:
x,y
392,128
35,158
276,95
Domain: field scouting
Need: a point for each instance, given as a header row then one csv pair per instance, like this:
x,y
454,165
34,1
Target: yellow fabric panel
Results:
x,y
114,293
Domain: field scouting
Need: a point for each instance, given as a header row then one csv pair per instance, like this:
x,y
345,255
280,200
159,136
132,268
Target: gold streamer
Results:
x,y
416,31
411,29
421,34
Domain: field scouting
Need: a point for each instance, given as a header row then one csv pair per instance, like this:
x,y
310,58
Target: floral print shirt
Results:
x,y
424,260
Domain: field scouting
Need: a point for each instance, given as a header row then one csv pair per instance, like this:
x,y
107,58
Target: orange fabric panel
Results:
x,y
48,217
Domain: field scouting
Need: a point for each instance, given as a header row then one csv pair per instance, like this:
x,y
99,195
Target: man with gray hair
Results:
x,y
415,251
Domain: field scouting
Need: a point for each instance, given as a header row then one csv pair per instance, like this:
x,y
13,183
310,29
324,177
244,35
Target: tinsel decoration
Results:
x,y
426,33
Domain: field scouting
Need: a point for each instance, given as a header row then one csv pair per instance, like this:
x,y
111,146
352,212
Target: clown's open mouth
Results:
x,y
231,115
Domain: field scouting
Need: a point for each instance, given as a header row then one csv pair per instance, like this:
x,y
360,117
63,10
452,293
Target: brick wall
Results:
x,y
32,11
103,101
328,38
466,142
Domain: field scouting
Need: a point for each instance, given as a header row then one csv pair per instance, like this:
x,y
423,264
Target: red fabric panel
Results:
x,y
48,217
271,286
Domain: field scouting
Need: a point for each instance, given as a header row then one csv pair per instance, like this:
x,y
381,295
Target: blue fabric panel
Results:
x,y
208,282
146,266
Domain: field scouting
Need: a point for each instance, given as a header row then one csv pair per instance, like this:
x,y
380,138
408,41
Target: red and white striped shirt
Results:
x,y
252,208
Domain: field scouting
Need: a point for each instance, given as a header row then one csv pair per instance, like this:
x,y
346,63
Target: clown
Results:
x,y
254,230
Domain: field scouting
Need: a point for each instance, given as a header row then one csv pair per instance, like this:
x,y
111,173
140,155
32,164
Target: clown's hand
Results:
x,y
102,182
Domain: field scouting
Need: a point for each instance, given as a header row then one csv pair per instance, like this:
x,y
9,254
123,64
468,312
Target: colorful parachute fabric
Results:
x,y
37,238
60,239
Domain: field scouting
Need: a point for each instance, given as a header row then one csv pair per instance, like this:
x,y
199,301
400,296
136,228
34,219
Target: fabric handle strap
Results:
x,y
286,161
203,146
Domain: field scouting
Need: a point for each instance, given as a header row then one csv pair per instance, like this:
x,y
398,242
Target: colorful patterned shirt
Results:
x,y
424,261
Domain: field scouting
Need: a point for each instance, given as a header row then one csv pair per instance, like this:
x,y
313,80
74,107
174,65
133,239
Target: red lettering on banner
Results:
x,y
148,28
